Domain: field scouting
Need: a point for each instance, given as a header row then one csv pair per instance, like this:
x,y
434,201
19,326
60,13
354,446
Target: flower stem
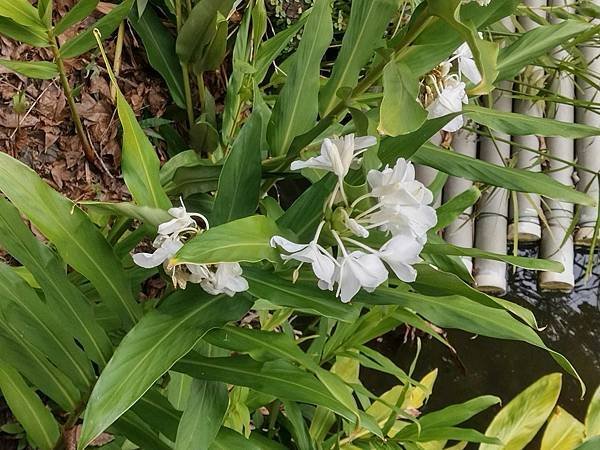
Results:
x,y
185,70
64,81
117,59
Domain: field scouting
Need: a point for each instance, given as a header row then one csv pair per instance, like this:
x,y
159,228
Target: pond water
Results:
x,y
504,368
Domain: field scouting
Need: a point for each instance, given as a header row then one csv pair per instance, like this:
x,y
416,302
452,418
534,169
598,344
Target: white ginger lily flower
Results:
x,y
182,221
359,270
400,253
321,261
166,247
403,206
337,155
466,64
226,279
449,100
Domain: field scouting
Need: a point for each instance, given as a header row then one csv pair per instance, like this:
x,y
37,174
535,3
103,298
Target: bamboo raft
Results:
x,y
500,217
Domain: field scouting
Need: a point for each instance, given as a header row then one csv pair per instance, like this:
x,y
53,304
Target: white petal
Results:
x,y
357,228
286,244
348,283
164,252
468,68
364,142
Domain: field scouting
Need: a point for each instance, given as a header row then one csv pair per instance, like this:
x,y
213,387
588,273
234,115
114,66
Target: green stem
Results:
x,y
117,58
64,81
185,70
201,91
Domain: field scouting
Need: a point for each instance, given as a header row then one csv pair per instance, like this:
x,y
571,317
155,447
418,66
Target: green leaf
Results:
x,y
513,179
187,173
453,208
239,183
160,339
85,40
300,296
562,432
592,418
200,28
81,10
448,417
519,421
59,292
536,43
590,444
368,21
77,240
145,214
518,261
272,48
38,422
214,53
297,106
34,36
277,378
306,212
23,13
42,70
459,312
159,45
244,239
400,111
139,432
23,310
156,411
34,365
523,125
203,415
139,162
228,439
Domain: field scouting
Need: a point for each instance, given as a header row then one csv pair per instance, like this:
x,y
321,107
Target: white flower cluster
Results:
x,y
450,89
401,209
222,278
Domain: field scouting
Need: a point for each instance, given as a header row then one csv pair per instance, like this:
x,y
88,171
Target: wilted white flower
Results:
x,y
466,64
400,252
337,155
449,100
182,221
359,270
321,261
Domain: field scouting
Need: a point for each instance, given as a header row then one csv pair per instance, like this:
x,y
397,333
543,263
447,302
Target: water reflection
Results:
x,y
504,368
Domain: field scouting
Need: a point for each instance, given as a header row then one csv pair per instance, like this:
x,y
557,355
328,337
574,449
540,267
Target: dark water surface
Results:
x,y
505,368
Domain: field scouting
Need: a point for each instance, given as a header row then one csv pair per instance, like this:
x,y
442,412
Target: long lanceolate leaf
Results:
x,y
368,21
77,240
28,409
462,313
85,40
59,292
23,310
297,106
160,339
203,415
514,179
79,11
239,183
159,44
22,12
277,378
38,370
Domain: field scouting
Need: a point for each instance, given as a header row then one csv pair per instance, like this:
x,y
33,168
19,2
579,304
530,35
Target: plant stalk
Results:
x,y
118,58
185,70
87,147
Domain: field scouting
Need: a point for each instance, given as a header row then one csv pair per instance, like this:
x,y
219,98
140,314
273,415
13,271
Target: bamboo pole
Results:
x,y
557,242
526,227
492,217
587,148
426,174
460,232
